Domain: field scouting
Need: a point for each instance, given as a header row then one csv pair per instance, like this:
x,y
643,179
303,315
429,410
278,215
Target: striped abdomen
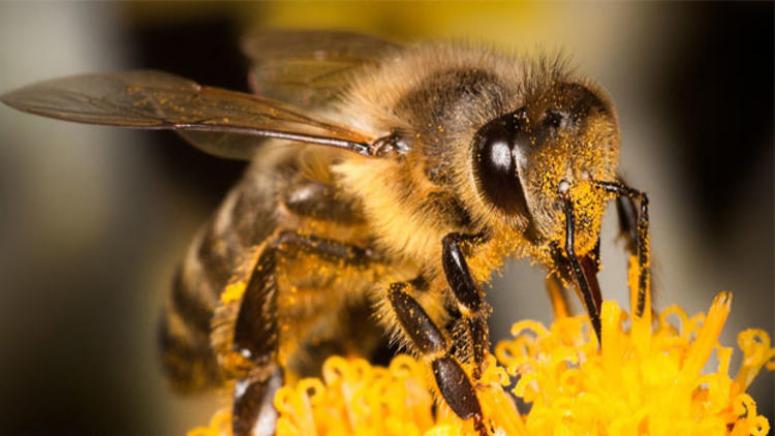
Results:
x,y
244,220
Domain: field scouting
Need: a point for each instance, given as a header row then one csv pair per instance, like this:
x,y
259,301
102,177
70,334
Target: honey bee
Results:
x,y
386,184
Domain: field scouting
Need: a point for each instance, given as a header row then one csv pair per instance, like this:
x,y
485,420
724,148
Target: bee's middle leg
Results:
x,y
432,344
468,296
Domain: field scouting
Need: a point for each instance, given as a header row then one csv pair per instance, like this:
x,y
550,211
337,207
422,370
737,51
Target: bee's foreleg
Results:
x,y
636,234
581,271
431,343
468,295
627,213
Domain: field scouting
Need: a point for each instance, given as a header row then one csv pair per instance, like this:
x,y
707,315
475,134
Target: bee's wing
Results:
x,y
221,122
309,68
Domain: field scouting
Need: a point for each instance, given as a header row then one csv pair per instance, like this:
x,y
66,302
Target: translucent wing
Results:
x,y
309,68
221,122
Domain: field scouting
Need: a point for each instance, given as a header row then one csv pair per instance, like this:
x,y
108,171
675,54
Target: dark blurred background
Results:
x,y
93,220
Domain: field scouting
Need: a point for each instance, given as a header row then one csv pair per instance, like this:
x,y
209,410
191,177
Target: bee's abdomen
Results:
x,y
187,358
242,221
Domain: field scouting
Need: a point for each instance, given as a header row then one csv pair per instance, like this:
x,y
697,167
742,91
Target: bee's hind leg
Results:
x,y
256,339
253,412
256,334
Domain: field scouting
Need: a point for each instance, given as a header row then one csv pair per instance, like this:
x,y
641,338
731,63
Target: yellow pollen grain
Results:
x,y
233,292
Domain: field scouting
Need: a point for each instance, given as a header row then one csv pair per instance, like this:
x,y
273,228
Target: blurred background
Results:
x,y
93,220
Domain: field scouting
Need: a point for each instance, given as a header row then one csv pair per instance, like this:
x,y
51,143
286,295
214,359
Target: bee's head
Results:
x,y
529,161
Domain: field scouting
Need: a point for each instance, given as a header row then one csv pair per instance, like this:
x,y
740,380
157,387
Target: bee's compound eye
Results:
x,y
495,164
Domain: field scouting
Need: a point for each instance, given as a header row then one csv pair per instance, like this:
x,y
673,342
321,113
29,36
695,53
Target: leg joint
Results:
x,y
457,273
415,322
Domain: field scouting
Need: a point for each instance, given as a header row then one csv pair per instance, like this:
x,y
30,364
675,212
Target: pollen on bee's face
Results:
x,y
588,209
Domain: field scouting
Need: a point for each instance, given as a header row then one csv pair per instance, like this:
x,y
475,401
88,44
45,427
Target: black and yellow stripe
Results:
x,y
184,331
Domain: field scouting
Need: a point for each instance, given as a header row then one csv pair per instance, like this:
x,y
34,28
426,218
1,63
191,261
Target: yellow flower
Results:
x,y
647,378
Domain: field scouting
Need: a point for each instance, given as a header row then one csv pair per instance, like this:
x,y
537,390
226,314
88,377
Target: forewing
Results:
x,y
309,68
221,122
